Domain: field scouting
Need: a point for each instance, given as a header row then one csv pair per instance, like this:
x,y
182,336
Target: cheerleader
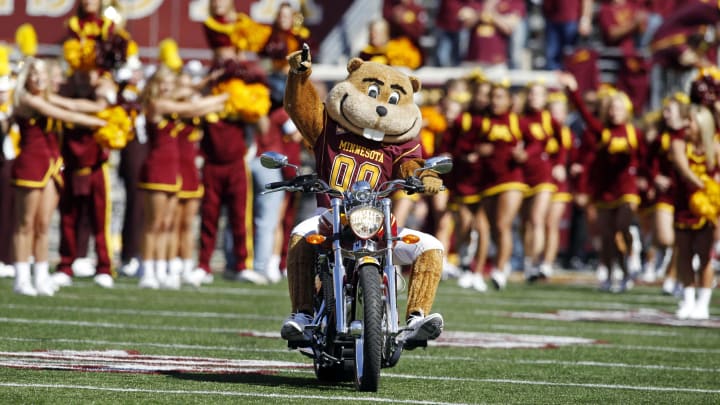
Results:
x,y
160,174
36,174
659,215
467,195
497,145
539,174
613,176
558,150
695,160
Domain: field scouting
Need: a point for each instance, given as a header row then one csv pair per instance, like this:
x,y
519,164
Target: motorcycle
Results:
x,y
355,329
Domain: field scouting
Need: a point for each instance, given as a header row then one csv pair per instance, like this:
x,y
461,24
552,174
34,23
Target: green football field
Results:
x,y
546,344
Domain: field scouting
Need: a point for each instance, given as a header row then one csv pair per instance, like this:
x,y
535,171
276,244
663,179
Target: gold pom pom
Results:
x,y
4,60
26,39
80,55
118,130
248,102
248,35
169,54
402,52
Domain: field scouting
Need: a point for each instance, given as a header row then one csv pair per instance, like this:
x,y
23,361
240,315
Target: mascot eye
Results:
x,y
373,91
394,98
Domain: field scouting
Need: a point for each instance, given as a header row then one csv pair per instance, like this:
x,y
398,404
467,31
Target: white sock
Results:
x,y
161,269
176,266
188,265
667,256
41,270
703,297
689,295
22,273
149,268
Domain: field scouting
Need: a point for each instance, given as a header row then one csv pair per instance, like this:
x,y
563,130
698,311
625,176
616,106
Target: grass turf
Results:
x,y
635,363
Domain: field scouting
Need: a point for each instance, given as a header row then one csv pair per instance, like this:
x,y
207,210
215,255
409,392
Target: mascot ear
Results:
x,y
415,84
354,64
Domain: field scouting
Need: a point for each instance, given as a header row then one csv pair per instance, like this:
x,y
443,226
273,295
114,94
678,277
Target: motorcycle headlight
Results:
x,y
366,222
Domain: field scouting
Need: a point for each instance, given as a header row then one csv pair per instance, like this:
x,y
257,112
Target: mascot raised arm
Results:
x,y
366,129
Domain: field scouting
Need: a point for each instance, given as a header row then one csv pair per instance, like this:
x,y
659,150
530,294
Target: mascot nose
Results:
x,y
381,111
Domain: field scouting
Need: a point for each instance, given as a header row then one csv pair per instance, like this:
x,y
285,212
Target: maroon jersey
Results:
x,y
582,63
500,171
684,217
467,190
538,129
659,163
223,141
188,137
39,157
405,19
161,170
616,161
343,158
675,33
80,150
488,45
613,15
447,14
560,11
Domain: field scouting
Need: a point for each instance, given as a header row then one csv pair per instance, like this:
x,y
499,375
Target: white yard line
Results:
x,y
223,393
555,384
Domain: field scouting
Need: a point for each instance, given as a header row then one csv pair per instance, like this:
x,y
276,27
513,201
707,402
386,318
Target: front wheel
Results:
x,y
368,347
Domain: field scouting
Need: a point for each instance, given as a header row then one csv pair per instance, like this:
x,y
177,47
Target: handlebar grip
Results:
x,y
277,184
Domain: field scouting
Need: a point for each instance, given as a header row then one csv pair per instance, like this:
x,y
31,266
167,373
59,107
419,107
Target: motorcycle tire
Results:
x,y
368,347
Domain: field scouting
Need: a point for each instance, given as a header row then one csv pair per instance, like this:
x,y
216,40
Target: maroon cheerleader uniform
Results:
x,y
39,159
161,170
684,217
537,170
188,136
558,149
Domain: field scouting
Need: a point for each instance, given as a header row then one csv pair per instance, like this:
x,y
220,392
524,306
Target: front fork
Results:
x,y
338,269
390,268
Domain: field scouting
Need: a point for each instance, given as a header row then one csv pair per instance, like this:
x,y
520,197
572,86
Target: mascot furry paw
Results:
x,y
366,129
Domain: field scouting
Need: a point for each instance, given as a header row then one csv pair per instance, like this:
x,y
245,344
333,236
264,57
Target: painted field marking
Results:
x,y
85,342
133,362
642,315
447,339
224,393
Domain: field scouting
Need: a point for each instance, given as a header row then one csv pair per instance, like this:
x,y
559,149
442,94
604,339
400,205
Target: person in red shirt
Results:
x,y
491,23
36,174
160,174
497,145
539,174
558,149
450,32
613,175
226,176
565,21
695,160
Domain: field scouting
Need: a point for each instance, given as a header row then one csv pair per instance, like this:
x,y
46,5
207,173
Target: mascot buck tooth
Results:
x,y
365,130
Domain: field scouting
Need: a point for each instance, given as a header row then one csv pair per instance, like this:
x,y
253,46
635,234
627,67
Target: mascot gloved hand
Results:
x,y
366,129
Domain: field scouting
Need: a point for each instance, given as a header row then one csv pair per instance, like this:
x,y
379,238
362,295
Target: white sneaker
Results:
x,y
7,271
171,282
685,309
545,270
602,273
130,269
648,275
61,279
498,278
252,276
478,283
25,288
83,267
668,287
208,278
44,286
273,275
699,312
148,280
423,328
466,280
194,277
293,329
104,280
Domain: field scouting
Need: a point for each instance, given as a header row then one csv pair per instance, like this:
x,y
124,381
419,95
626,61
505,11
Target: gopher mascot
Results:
x,y
366,129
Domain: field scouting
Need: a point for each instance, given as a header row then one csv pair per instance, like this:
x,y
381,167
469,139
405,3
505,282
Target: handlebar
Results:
x,y
310,183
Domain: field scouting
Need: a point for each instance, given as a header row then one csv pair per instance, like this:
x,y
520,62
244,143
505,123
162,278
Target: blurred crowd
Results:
x,y
627,161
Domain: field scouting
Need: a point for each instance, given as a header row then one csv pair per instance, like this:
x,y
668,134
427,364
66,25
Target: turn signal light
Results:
x,y
315,239
410,239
